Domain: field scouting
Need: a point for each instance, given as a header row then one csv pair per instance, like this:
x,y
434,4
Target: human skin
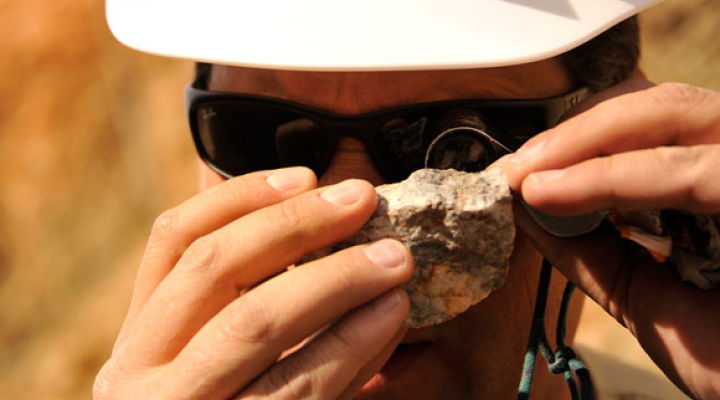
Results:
x,y
635,146
479,354
189,334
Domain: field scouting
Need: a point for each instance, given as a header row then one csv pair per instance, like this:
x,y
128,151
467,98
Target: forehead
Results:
x,y
359,92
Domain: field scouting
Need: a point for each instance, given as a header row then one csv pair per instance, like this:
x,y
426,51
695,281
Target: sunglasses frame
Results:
x,y
360,126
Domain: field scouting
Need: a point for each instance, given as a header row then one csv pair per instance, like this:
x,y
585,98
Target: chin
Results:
x,y
478,354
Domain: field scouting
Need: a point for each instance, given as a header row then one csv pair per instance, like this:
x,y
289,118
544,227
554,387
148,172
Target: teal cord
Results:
x,y
533,342
563,361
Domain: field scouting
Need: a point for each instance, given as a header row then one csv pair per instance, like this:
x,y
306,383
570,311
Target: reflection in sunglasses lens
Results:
x,y
300,142
404,140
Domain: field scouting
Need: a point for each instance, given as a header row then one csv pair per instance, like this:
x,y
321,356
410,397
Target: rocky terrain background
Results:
x,y
93,146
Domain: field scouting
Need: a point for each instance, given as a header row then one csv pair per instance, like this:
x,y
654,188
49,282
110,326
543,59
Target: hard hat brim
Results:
x,y
369,35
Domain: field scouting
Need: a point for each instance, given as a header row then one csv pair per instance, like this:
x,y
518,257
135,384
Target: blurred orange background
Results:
x,y
94,145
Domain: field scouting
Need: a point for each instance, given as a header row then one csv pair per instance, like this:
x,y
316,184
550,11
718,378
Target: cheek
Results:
x,y
207,177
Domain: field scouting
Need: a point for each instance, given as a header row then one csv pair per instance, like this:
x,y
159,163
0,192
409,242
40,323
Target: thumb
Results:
x,y
599,263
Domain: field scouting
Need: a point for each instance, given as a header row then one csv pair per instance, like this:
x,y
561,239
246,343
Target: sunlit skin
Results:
x,y
479,354
216,314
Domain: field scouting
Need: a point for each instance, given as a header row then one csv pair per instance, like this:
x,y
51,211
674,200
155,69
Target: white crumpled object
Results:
x,y
689,241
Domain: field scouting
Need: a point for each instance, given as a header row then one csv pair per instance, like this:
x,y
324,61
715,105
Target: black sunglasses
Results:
x,y
240,133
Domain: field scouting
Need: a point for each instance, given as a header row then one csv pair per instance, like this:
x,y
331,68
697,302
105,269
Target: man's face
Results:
x,y
478,354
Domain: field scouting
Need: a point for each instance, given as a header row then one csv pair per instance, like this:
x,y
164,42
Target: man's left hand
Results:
x,y
634,146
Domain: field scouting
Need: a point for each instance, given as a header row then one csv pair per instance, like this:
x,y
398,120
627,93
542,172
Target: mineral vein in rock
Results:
x,y
460,230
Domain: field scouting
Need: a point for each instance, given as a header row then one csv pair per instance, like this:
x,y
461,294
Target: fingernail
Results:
x,y
528,151
344,193
386,303
287,179
385,254
545,177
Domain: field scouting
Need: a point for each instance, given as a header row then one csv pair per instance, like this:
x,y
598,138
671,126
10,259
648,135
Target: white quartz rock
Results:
x,y
459,227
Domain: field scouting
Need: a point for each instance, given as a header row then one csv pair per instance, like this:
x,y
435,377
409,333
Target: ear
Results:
x,y
633,84
639,73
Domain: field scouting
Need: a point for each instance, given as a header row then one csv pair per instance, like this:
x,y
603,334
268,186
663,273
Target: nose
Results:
x,y
350,160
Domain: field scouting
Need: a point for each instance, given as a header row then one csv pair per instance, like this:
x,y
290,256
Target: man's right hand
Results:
x,y
214,311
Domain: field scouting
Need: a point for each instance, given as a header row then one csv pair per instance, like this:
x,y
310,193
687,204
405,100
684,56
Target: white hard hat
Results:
x,y
344,35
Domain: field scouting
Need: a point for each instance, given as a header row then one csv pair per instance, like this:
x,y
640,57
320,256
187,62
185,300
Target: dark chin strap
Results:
x,y
563,361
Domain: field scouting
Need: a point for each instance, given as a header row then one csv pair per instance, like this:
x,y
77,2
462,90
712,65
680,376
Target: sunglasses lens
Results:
x,y
400,145
238,137
241,138
301,142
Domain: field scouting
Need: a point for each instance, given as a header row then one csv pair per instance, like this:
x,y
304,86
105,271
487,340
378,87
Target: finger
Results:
x,y
249,335
669,317
325,368
632,85
669,114
175,229
593,262
372,367
612,272
663,177
217,267
516,166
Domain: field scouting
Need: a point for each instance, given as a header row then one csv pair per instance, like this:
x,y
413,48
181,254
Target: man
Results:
x,y
214,315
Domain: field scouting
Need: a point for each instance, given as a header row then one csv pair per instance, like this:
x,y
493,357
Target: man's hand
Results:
x,y
214,311
635,146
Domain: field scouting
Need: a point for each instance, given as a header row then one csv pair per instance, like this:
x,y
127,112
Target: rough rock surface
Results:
x,y
460,230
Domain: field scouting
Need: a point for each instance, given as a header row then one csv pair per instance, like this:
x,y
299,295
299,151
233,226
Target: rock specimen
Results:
x,y
460,230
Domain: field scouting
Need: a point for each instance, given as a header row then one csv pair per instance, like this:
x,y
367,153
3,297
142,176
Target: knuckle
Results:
x,y
286,382
608,167
340,271
108,384
252,324
707,172
676,92
607,164
680,99
342,343
289,215
551,135
684,161
684,166
235,191
294,378
692,112
344,274
166,224
677,156
202,254
101,388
